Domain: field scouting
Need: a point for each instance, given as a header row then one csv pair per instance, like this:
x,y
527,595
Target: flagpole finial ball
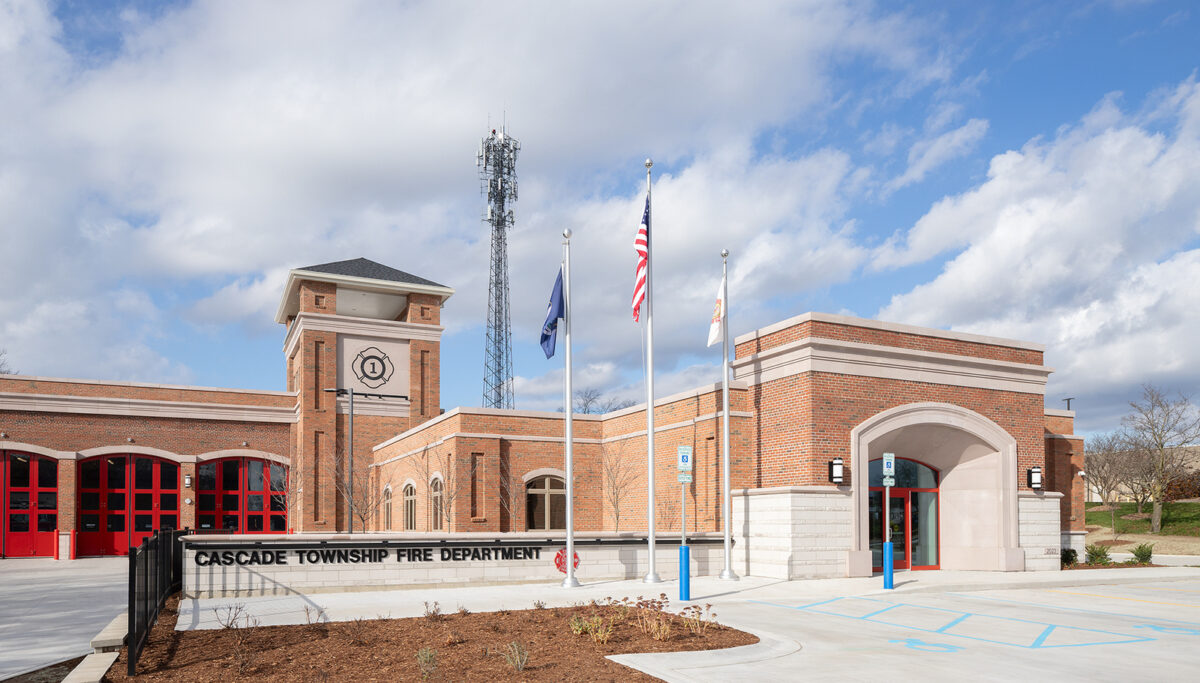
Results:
x,y
649,163
724,253
567,234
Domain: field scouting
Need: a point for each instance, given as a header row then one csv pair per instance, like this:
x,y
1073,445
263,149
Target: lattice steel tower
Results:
x,y
497,161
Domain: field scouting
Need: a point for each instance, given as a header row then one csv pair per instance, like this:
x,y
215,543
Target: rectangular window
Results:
x,y
475,458
168,475
143,473
89,475
48,474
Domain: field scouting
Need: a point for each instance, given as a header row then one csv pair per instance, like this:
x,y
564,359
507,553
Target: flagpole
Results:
x,y
651,574
570,581
727,497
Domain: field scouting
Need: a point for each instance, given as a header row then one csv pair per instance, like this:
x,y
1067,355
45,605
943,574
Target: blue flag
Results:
x,y
554,311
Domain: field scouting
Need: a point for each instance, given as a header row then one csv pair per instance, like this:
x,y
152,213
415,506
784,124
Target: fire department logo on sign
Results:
x,y
372,367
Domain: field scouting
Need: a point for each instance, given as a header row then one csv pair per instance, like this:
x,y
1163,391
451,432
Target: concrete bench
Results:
x,y
112,637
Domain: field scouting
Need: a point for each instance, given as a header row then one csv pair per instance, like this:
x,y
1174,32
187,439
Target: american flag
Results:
x,y
641,245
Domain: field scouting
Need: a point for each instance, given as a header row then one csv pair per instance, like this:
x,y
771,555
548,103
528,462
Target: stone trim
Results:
x,y
945,414
95,405
375,407
543,471
889,327
806,490
674,425
368,327
6,445
1069,437
242,453
146,385
702,390
359,283
134,449
818,354
1058,412
1039,494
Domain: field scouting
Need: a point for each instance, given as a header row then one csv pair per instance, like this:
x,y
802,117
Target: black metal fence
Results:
x,y
155,572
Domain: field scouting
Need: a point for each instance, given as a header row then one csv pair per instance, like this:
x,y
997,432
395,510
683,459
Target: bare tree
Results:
x,y
5,368
454,484
591,401
1107,469
619,475
1102,460
1160,427
355,488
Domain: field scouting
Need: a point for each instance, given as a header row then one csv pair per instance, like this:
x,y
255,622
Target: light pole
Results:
x,y
350,446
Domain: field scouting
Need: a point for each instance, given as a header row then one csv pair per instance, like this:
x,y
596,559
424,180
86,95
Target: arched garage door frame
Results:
x,y
123,498
28,504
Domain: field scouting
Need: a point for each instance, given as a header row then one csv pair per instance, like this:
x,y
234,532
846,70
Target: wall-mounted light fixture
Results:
x,y
837,471
3,435
245,443
1035,478
129,439
187,481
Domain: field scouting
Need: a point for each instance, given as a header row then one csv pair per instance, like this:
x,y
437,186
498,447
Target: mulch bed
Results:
x,y
1113,543
1114,565
468,647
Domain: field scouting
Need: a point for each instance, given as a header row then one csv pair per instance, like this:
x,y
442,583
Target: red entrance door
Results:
x,y
123,499
242,495
29,487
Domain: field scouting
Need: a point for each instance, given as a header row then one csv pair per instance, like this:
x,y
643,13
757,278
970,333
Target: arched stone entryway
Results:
x,y
977,461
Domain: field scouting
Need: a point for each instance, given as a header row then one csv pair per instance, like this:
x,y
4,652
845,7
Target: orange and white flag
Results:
x,y
716,330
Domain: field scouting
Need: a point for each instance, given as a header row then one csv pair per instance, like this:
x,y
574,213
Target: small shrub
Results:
x,y
427,661
1097,554
516,656
697,620
241,627
463,611
660,628
1070,557
538,604
357,631
452,638
578,625
1143,553
600,631
433,612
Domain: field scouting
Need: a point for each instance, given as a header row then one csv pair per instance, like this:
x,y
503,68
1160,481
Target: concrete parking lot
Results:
x,y
1108,625
50,609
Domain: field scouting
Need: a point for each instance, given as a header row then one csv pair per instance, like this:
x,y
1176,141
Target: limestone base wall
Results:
x,y
792,532
422,561
1039,530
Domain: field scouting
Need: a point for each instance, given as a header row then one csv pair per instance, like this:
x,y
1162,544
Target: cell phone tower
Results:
x,y
497,162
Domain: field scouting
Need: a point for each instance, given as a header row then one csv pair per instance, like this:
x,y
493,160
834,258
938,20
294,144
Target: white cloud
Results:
x,y
1086,242
223,143
929,153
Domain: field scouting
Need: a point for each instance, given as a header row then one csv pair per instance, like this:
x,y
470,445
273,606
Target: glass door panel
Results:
x,y
898,521
923,521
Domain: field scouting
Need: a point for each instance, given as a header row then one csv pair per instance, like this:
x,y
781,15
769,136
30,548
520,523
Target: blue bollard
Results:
x,y
887,565
685,574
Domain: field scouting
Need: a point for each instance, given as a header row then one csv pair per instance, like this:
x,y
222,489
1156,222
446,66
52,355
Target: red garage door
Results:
x,y
123,499
29,488
242,495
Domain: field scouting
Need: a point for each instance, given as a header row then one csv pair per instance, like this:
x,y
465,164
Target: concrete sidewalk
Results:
x,y
290,609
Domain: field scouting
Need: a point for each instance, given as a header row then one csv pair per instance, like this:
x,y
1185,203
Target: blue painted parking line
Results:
x,y
1023,633
1049,606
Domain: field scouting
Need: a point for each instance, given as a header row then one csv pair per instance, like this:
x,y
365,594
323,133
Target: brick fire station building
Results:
x,y
91,467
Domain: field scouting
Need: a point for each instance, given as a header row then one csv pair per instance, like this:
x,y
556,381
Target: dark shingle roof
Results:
x,y
365,268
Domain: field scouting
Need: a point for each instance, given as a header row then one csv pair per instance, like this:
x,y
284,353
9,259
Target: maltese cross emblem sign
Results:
x,y
372,367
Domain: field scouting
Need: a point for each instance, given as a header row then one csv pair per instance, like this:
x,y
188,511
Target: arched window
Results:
x,y
545,503
410,508
387,509
435,501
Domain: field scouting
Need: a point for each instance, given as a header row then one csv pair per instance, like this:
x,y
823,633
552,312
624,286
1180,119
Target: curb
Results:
x,y
675,666
1064,582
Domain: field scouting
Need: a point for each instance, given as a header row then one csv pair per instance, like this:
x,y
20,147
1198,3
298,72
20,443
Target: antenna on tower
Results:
x,y
497,162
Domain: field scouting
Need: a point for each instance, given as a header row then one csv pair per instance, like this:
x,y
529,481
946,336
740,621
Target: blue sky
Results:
x,y
1019,169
